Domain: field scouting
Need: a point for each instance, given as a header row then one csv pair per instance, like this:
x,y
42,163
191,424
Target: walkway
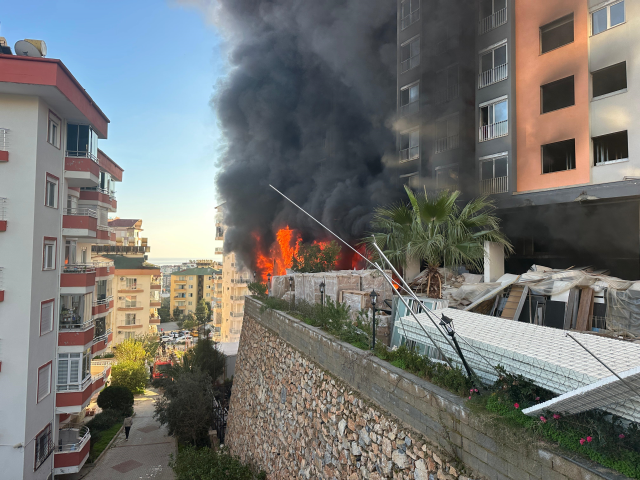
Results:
x,y
145,455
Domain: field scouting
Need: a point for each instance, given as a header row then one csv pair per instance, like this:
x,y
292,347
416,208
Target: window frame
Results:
x,y
615,92
575,165
50,447
49,178
609,162
559,23
48,241
409,132
404,25
128,319
410,59
606,7
57,142
51,301
446,119
492,49
50,365
444,168
411,105
542,112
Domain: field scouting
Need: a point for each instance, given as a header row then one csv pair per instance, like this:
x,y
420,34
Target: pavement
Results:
x,y
145,455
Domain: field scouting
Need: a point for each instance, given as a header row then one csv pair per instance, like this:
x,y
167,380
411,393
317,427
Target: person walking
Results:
x,y
127,427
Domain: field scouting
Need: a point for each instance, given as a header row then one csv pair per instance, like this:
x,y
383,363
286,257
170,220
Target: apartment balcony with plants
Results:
x,y
102,335
72,451
76,324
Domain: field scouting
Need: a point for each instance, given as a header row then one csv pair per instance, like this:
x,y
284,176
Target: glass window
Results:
x,y
51,192
556,34
130,319
409,99
53,131
49,255
607,17
132,283
558,94
610,79
599,21
616,14
82,141
559,156
74,310
410,55
410,145
70,248
409,12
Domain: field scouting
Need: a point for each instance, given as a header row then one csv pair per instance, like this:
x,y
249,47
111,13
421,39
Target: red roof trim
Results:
x,y
110,166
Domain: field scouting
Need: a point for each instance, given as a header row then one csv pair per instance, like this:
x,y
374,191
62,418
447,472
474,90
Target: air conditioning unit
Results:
x,y
121,298
122,279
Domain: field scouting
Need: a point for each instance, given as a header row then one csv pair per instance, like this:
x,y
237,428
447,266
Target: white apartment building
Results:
x,y
56,190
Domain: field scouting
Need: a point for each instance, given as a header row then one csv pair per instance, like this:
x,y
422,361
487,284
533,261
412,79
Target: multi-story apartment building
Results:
x,y
190,286
530,103
128,232
58,188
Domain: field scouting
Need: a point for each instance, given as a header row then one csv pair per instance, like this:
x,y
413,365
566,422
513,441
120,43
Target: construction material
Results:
x,y
585,311
515,302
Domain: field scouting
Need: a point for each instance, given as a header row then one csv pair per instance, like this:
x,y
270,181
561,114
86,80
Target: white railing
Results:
x,y
99,376
409,108
492,76
82,268
135,304
447,143
4,138
444,94
491,186
493,21
3,208
237,297
81,434
106,228
73,323
409,63
237,314
240,280
101,338
494,130
103,362
81,212
411,18
409,154
95,189
74,387
81,154
103,264
104,301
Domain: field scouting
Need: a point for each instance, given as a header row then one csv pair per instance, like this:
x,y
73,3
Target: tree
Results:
x,y
129,374
116,397
177,315
202,312
131,350
315,257
204,357
436,231
188,322
165,311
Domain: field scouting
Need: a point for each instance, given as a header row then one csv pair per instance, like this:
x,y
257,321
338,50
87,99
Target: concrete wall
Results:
x,y
305,405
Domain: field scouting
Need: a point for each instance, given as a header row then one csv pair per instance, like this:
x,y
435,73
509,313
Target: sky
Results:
x,y
152,67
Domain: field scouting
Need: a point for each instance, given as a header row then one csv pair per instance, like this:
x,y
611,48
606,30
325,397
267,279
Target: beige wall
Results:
x,y
231,325
141,310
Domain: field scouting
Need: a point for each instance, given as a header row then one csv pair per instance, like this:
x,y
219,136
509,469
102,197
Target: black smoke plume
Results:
x,y
307,106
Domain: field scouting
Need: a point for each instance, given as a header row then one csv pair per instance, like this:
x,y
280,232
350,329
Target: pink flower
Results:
x,y
589,439
517,405
475,390
537,399
556,416
582,440
621,435
469,398
544,420
471,391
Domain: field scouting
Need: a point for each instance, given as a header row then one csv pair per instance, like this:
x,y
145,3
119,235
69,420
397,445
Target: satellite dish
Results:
x,y
30,48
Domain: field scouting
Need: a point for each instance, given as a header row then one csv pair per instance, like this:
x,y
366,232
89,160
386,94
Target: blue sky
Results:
x,y
151,66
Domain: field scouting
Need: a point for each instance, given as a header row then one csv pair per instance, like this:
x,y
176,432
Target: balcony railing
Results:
x,y
237,314
235,331
4,138
106,228
491,186
81,212
409,154
101,338
104,191
447,143
492,76
237,297
119,249
74,387
72,437
81,154
240,280
494,130
102,362
103,264
409,108
3,209
493,21
73,322
409,63
130,304
79,268
409,19
444,94
103,301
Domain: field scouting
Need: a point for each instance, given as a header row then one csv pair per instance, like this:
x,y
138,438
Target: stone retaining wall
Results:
x,y
305,405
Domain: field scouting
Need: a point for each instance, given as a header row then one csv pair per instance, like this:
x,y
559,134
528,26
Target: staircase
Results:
x,y
515,302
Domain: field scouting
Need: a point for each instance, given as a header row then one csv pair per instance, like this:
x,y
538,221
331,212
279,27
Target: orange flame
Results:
x,y
280,255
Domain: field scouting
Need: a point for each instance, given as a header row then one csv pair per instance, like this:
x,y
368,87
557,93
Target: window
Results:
x,y
447,133
559,156
494,119
51,191
410,54
130,301
53,130
190,278
46,316
43,446
493,13
44,381
448,36
82,141
190,303
129,335
74,310
49,253
447,84
191,295
494,176
409,145
190,286
607,17
132,283
409,97
409,12
130,319
609,148
557,95
70,248
610,79
182,278
70,371
208,294
493,66
447,177
556,34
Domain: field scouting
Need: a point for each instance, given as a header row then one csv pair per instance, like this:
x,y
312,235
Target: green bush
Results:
x,y
104,420
116,397
129,374
101,440
204,464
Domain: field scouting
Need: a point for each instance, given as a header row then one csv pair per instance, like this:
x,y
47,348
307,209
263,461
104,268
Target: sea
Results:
x,y
168,261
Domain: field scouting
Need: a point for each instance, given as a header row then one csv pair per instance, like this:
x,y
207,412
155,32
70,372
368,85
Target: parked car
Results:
x,y
165,338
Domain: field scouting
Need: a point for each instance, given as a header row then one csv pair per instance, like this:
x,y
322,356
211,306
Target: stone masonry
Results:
x,y
305,405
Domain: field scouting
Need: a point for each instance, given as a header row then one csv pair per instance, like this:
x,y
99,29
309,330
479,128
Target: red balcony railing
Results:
x,y
3,214
72,450
81,276
4,144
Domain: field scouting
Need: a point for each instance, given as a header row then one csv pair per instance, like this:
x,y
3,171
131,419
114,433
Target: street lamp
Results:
x,y
447,324
254,276
290,294
268,281
374,298
322,285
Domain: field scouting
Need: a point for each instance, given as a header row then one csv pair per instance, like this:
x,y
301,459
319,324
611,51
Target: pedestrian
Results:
x,y
127,427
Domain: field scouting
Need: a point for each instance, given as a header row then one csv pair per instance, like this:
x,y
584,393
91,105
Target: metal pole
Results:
x,y
464,361
373,345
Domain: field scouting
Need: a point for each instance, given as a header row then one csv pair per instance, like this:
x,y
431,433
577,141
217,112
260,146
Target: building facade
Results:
x,y
57,189
190,286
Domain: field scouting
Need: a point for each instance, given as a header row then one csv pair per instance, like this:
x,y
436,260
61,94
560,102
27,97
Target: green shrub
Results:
x,y
104,420
205,464
258,289
116,397
101,440
129,374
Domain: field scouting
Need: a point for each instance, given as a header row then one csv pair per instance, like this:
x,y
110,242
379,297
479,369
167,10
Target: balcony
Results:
x,y
3,214
95,196
105,235
73,331
73,397
72,450
445,94
104,269
409,154
180,282
492,76
155,303
130,306
410,108
101,306
77,279
447,143
135,288
101,342
80,170
80,222
154,320
492,21
237,314
1,284
238,298
156,286
4,144
119,249
99,376
410,19
491,186
494,130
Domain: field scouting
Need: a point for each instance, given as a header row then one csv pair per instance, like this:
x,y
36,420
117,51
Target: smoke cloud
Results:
x,y
307,106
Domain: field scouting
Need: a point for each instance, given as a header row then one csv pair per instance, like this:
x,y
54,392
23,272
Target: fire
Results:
x,y
280,255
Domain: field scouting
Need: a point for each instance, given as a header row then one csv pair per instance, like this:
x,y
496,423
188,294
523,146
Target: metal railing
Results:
x,y
495,75
409,154
106,228
82,268
237,297
116,249
74,323
95,189
494,130
101,338
447,143
410,108
81,212
103,301
42,454
444,94
81,154
135,304
82,437
409,63
240,280
494,185
237,314
492,21
74,387
3,208
103,362
410,19
4,138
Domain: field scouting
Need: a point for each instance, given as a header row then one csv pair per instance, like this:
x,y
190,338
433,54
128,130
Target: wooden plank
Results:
x,y
514,302
523,297
571,305
586,306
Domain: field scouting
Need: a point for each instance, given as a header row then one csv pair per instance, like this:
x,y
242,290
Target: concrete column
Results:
x,y
493,261
412,269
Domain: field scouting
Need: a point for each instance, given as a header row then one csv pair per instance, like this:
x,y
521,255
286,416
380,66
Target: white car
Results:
x,y
165,338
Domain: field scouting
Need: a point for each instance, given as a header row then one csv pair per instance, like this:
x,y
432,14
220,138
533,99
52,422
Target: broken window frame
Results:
x,y
598,163
453,167
567,160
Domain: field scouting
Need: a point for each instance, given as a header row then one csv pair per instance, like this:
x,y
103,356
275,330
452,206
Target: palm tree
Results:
x,y
436,230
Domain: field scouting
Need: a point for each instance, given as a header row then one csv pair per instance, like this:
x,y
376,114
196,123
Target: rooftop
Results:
x,y
124,222
124,262
198,271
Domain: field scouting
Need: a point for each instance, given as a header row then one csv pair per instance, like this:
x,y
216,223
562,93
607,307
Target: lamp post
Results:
x,y
374,298
254,276
322,285
447,323
290,293
268,281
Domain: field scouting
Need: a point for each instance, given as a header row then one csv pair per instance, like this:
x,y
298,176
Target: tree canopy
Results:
x,y
315,257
